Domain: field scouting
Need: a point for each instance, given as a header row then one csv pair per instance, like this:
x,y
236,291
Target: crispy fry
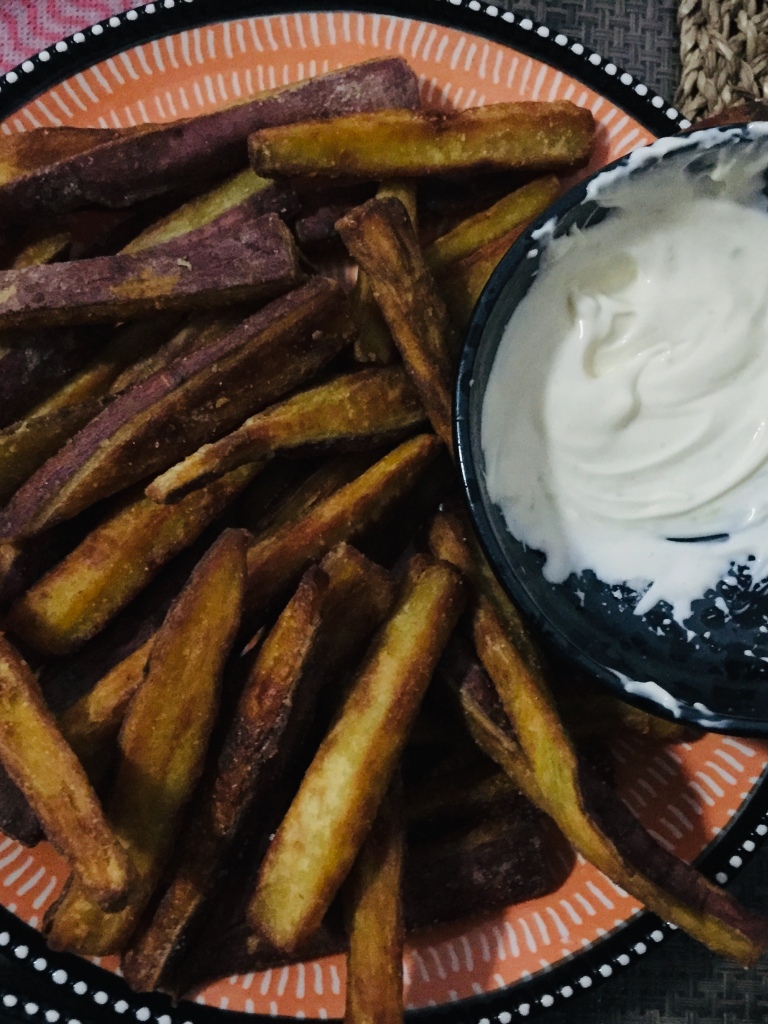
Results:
x,y
163,744
26,445
128,342
45,248
131,165
210,390
118,558
254,740
495,864
261,195
17,819
38,759
287,490
25,152
402,143
93,722
374,913
461,283
34,364
212,266
272,717
276,559
329,818
373,343
199,330
380,236
511,212
532,745
363,409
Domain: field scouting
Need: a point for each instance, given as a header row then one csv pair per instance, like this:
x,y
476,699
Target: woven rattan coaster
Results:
x,y
724,54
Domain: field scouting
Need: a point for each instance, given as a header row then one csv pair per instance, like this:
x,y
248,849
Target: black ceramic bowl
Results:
x,y
720,682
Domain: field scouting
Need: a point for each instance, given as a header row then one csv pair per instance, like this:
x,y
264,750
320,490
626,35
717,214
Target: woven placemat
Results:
x,y
723,53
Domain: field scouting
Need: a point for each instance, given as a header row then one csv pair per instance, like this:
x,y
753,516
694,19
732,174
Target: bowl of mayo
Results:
x,y
612,426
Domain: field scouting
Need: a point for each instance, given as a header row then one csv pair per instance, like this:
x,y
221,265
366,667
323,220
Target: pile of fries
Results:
x,y
259,686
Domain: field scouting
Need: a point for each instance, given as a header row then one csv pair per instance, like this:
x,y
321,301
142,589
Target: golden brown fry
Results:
x,y
380,236
287,490
92,723
279,557
320,836
540,757
43,766
513,211
362,409
26,445
255,739
128,342
199,330
304,647
402,143
44,249
374,912
25,152
163,744
374,339
461,283
201,210
202,270
210,390
118,558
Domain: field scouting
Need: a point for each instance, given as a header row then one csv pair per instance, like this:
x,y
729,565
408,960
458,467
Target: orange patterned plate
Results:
x,y
177,58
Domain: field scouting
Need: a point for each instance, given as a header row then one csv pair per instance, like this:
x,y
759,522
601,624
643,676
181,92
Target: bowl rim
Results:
x,y
530,242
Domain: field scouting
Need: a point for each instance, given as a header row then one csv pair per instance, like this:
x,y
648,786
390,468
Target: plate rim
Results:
x,y
59,979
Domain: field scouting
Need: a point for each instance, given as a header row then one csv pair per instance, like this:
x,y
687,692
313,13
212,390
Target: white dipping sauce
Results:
x,y
628,400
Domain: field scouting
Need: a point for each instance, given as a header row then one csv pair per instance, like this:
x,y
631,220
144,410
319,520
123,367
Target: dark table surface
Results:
x,y
679,982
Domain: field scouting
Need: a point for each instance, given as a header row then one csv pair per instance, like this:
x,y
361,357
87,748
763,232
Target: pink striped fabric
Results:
x,y
28,26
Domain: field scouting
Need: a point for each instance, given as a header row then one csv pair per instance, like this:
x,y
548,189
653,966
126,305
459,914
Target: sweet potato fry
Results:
x,y
23,153
287,489
34,364
26,445
17,819
461,283
44,247
255,259
272,717
511,212
277,559
42,765
129,166
256,738
321,834
374,915
380,236
363,409
197,331
501,861
197,397
126,344
261,194
93,722
163,744
118,558
528,740
406,143
374,339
